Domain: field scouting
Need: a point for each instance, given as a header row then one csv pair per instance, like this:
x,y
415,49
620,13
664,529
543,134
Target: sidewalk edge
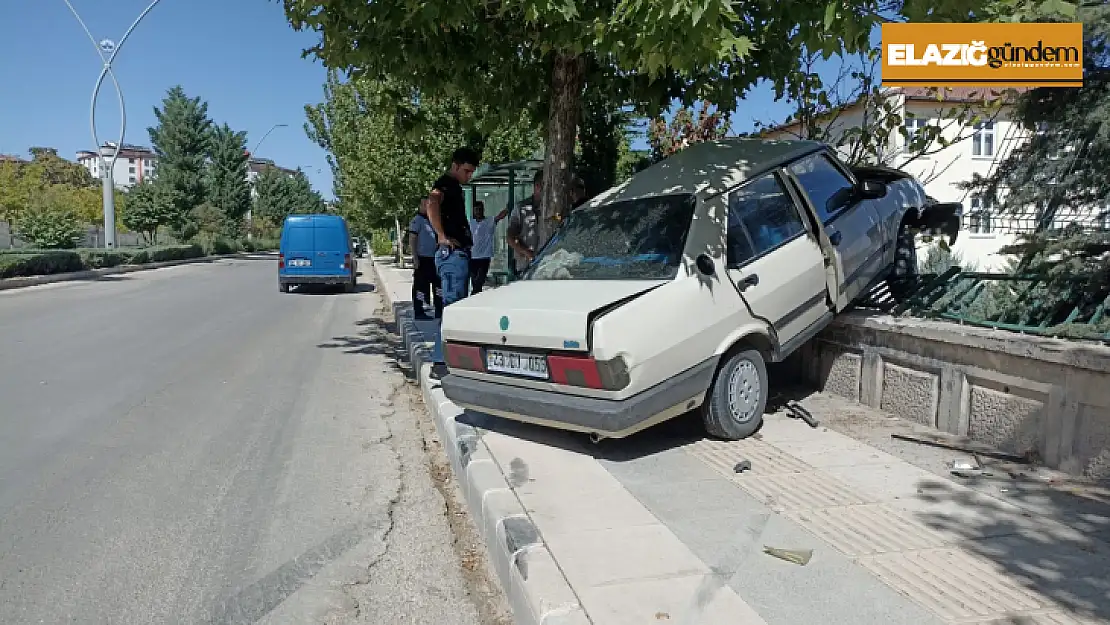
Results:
x,y
533,583
7,284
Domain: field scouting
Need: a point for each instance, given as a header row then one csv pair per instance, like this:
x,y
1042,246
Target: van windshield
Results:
x,y
640,239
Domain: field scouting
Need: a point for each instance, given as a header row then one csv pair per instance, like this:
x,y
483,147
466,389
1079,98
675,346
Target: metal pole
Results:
x,y
250,216
107,170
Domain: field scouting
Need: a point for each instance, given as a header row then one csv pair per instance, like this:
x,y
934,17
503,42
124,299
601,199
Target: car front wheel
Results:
x,y
734,408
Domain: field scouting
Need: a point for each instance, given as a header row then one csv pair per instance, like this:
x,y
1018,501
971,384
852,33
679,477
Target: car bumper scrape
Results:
x,y
606,417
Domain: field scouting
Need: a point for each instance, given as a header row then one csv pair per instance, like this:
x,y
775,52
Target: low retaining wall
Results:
x,y
1022,394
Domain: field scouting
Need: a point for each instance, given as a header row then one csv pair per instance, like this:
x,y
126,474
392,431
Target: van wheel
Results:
x,y
283,287
349,287
738,397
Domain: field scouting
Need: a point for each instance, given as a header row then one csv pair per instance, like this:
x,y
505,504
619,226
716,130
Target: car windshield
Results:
x,y
639,239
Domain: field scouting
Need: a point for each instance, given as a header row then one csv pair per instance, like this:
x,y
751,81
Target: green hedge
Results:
x,y
32,262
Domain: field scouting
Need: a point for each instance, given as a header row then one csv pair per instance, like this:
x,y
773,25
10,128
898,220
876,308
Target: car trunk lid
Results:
x,y
537,314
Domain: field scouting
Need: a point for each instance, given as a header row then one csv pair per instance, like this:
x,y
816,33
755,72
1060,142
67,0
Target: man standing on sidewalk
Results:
x,y
481,228
447,212
425,280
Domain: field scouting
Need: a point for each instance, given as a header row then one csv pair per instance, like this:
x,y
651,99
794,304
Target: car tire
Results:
x,y
904,274
349,287
734,407
283,287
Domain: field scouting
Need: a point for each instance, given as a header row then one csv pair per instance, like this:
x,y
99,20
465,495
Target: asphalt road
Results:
x,y
188,445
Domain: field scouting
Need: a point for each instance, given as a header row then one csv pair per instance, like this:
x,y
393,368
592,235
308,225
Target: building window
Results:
x,y
979,219
982,142
131,160
131,179
913,126
131,169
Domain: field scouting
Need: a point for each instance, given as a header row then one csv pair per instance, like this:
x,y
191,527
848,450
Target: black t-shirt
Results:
x,y
452,210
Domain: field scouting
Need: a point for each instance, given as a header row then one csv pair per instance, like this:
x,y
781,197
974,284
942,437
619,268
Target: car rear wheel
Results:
x,y
349,287
904,276
738,397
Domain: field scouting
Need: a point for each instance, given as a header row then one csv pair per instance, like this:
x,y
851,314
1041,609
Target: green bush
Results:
x,y
166,253
380,243
101,258
40,263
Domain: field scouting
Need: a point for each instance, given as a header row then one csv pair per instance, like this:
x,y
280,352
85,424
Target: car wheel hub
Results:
x,y
744,391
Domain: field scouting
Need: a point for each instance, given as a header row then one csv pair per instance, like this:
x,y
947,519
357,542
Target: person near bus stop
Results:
x,y
481,229
447,212
425,280
523,234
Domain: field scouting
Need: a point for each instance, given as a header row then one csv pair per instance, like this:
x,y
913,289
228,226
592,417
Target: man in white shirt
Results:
x,y
481,228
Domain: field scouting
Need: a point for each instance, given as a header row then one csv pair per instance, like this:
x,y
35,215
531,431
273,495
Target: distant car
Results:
x,y
316,249
671,291
358,244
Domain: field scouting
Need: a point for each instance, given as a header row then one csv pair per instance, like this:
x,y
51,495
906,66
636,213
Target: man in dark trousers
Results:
x,y
447,212
425,280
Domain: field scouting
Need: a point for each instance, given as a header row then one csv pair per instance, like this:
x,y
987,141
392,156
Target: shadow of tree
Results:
x,y
379,336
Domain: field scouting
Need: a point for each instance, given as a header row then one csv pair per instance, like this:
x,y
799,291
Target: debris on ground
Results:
x,y
794,410
966,446
801,557
967,468
743,465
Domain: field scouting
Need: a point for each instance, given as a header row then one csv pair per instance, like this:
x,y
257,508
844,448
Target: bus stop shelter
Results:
x,y
501,186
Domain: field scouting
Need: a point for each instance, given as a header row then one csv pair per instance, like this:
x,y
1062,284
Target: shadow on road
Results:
x,y
375,336
325,289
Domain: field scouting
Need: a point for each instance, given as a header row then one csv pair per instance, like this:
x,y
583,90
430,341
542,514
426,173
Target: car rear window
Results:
x,y
640,239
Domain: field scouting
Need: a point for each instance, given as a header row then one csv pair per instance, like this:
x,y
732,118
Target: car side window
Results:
x,y
827,187
761,217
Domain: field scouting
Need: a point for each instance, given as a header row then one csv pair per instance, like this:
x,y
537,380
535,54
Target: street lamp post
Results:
x,y
107,49
250,217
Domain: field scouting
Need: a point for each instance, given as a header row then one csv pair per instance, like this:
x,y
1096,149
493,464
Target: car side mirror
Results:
x,y
872,189
705,264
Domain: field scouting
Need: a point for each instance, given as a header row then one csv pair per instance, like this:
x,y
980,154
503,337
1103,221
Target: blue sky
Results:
x,y
240,56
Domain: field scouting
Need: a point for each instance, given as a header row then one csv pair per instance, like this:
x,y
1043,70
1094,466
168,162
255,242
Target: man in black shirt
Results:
x,y
447,212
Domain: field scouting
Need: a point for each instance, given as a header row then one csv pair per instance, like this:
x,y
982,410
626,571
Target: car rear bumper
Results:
x,y
605,417
335,279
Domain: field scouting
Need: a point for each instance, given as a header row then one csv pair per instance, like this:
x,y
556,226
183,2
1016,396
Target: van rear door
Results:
x,y
298,246
331,243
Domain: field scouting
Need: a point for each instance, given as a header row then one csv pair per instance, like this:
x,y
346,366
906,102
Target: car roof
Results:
x,y
709,168
317,218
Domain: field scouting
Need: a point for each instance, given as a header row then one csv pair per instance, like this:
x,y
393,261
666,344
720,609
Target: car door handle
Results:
x,y
749,280
835,237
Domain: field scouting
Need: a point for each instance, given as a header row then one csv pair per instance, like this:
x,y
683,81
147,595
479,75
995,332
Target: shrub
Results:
x,y
39,263
51,226
100,258
380,243
166,253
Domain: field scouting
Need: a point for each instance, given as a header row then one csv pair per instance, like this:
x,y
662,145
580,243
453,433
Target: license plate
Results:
x,y
300,262
529,365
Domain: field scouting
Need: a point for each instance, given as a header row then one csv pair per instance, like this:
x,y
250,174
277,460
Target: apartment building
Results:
x,y
973,148
135,163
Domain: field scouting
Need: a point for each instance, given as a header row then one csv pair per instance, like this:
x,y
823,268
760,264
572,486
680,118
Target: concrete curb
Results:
x,y
534,584
92,274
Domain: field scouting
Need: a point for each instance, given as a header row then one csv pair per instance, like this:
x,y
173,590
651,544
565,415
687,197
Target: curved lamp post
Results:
x,y
250,216
107,49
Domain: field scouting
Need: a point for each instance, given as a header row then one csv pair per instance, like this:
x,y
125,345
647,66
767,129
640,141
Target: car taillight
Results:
x,y
459,356
281,261
584,371
346,260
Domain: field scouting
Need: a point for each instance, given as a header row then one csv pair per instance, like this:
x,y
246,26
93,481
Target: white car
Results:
x,y
671,291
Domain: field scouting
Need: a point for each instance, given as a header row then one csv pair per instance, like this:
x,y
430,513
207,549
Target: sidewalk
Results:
x,y
658,528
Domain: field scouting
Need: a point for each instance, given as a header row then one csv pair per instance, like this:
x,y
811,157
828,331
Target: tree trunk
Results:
x,y
562,126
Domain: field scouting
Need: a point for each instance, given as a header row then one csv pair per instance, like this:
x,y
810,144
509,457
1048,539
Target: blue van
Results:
x,y
316,249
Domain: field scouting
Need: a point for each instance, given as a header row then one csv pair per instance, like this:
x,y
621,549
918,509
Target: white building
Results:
x,y
974,149
135,163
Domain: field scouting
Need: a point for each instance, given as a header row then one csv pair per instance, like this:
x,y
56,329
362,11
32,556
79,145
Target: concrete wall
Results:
x,y
1022,394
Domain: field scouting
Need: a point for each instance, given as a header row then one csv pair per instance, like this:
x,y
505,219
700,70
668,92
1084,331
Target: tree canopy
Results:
x,y
385,157
229,191
536,56
182,139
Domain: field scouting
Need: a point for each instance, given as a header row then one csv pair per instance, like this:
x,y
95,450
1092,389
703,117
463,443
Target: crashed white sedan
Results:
x,y
671,291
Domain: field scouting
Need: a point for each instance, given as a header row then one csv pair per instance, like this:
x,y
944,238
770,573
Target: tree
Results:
x,y
536,56
229,192
601,137
22,182
273,200
1058,176
150,205
49,221
685,129
385,157
304,199
182,140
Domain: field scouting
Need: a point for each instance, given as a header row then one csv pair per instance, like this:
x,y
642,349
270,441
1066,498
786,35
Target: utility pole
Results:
x,y
108,49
